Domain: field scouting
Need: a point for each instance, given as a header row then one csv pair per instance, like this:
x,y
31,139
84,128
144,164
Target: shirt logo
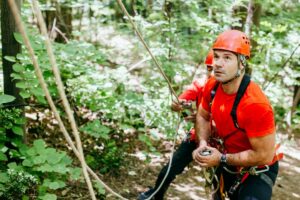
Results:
x,y
222,108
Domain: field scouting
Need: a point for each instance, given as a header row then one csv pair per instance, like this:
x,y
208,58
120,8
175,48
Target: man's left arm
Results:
x,y
262,152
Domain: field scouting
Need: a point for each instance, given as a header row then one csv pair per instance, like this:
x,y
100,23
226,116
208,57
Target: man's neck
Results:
x,y
233,86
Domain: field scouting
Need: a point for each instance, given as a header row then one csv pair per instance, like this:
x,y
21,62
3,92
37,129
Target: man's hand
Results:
x,y
177,107
202,146
211,160
191,117
180,106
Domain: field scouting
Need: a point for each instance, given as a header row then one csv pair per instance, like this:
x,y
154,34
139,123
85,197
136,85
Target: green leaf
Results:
x,y
21,85
48,196
75,173
18,37
41,99
3,157
24,94
27,163
16,76
39,160
38,91
56,185
39,144
10,58
100,188
18,68
17,130
45,168
4,98
4,177
25,197
14,166
31,152
96,129
60,169
53,157
20,121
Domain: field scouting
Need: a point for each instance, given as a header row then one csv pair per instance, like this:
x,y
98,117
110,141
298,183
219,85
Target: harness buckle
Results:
x,y
257,170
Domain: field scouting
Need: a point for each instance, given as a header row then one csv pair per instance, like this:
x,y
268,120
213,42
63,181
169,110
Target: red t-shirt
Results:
x,y
193,93
254,115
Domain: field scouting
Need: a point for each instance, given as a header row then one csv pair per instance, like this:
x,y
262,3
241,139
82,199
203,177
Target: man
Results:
x,y
246,163
183,155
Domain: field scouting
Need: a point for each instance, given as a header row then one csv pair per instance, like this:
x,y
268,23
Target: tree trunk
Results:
x,y
63,26
249,18
64,16
248,25
10,47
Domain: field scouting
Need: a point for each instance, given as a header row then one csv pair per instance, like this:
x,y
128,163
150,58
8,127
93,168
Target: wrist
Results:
x,y
202,142
223,159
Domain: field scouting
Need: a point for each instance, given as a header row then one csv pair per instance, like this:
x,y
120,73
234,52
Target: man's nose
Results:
x,y
219,63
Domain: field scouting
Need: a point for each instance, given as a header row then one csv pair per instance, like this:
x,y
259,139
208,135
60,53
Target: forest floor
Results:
x,y
138,175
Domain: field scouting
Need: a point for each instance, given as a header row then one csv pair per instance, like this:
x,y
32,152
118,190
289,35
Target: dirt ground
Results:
x,y
190,184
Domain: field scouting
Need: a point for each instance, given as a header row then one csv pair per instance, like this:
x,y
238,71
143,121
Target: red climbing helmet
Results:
x,y
209,58
235,41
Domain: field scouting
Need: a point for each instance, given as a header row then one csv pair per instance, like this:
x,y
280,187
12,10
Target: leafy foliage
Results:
x,y
15,184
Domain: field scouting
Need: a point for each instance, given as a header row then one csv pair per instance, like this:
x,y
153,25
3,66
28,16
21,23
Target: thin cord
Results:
x,y
169,166
148,49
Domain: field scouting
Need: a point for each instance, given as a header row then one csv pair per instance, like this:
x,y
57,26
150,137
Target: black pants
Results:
x,y
181,158
255,187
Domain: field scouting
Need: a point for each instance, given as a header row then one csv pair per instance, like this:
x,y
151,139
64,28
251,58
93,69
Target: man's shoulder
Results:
x,y
255,96
210,83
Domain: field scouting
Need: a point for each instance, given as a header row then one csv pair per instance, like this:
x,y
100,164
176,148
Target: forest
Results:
x,y
86,88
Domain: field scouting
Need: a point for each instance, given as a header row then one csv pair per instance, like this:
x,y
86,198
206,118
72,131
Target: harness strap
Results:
x,y
242,88
213,93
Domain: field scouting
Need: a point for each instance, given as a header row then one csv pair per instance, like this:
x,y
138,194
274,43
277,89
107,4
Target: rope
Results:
x,y
148,49
44,86
169,166
169,84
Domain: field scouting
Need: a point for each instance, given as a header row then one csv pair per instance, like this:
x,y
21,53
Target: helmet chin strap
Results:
x,y
241,59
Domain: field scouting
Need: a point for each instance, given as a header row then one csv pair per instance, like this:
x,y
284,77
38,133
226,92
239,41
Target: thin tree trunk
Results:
x,y
296,103
249,18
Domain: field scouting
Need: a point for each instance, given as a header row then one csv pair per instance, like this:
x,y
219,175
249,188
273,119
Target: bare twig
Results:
x,y
62,34
137,65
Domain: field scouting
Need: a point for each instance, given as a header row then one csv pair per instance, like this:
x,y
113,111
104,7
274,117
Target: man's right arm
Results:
x,y
202,125
202,128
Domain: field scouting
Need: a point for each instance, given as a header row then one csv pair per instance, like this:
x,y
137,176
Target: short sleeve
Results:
x,y
258,120
192,92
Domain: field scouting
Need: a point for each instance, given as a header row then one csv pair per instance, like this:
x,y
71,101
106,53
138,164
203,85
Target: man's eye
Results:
x,y
227,58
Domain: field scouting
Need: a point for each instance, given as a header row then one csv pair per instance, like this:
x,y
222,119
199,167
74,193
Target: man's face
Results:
x,y
225,65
